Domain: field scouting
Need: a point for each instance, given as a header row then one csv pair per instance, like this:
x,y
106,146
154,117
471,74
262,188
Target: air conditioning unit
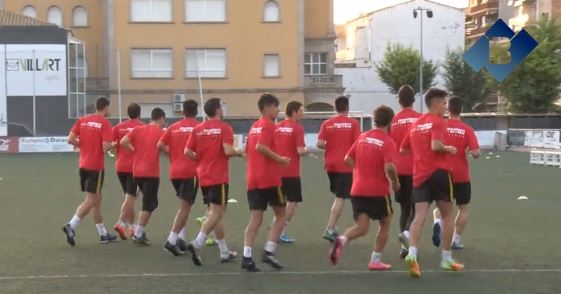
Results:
x,y
177,107
178,98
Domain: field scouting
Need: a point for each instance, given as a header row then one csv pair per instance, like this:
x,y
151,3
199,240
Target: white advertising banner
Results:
x,y
551,139
44,144
36,70
3,102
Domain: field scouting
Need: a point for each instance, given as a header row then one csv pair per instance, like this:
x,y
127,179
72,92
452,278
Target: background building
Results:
x,y
480,15
520,13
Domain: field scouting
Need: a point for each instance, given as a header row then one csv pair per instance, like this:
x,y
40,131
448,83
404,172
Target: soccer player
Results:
x,y
404,163
143,142
373,157
264,183
336,136
124,167
92,135
289,137
431,177
211,144
461,136
182,173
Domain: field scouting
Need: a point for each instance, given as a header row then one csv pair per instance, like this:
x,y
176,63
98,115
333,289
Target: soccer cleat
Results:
x,y
173,249
436,234
201,220
285,239
182,245
231,256
121,231
195,254
451,265
249,265
67,229
142,240
336,251
457,245
210,242
379,266
108,238
403,252
330,236
272,260
414,268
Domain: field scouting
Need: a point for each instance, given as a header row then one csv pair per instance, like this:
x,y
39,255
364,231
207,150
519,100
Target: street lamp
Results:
x,y
419,12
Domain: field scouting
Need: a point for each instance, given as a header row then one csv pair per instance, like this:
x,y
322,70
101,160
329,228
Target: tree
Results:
x,y
462,81
535,84
401,66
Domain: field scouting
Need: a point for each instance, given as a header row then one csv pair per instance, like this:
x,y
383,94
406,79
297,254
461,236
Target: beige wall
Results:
x,y
319,18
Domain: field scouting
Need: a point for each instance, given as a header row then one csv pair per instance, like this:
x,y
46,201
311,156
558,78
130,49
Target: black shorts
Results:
x,y
462,193
438,187
377,208
340,184
216,194
405,194
186,189
292,189
91,181
258,199
149,188
129,186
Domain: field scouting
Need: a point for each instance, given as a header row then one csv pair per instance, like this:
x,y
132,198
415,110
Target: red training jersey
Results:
x,y
262,172
461,136
371,151
145,139
175,137
207,141
419,141
339,133
401,124
288,137
92,131
125,158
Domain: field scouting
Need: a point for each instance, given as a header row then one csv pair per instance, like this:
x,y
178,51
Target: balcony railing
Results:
x,y
491,5
323,81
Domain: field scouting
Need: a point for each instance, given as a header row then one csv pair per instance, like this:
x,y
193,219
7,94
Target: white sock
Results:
x,y
200,240
286,223
182,234
270,246
376,257
139,231
247,252
101,229
224,252
406,234
172,238
446,255
456,238
74,222
413,251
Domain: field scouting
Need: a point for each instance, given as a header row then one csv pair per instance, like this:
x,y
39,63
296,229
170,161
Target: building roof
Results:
x,y
10,19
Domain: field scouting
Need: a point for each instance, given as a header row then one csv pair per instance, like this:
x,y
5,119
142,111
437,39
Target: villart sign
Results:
x,y
29,64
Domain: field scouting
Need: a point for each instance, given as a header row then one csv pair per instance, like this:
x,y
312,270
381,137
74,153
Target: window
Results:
x,y
271,64
80,17
54,15
315,64
208,63
151,11
205,10
152,63
29,11
271,12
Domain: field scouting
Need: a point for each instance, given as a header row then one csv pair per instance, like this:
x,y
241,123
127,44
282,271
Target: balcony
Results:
x,y
476,32
323,81
489,7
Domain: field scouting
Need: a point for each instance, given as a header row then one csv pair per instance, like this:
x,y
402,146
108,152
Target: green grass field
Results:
x,y
512,246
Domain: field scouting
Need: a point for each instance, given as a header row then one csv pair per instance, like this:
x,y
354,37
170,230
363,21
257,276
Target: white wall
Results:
x,y
396,25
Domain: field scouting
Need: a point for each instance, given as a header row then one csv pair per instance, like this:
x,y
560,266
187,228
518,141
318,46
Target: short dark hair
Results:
x,y
383,116
292,107
267,100
211,106
190,108
455,105
406,96
101,103
157,113
133,111
434,93
342,104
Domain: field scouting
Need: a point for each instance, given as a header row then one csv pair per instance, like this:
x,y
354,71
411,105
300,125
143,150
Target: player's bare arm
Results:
x,y
230,151
391,171
126,143
438,146
190,154
475,153
73,140
322,144
267,152
350,161
163,147
302,150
